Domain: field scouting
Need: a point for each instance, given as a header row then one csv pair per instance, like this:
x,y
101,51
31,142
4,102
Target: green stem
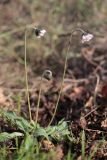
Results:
x,y
65,66
38,103
26,77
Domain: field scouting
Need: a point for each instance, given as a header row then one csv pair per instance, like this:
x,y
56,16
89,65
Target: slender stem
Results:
x,y
65,66
38,103
69,33
26,76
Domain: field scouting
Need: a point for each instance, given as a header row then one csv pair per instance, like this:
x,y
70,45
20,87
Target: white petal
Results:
x,y
87,37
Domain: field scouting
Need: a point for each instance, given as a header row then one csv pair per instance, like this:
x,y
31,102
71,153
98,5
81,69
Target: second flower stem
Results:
x,y
65,66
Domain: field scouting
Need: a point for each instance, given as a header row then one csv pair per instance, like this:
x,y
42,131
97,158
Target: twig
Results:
x,y
94,130
94,100
96,89
67,80
91,111
89,60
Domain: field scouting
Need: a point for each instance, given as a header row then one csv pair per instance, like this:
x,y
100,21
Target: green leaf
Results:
x,y
41,132
59,131
7,136
18,121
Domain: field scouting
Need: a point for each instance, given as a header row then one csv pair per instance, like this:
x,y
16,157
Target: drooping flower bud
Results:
x,y
86,37
47,74
39,32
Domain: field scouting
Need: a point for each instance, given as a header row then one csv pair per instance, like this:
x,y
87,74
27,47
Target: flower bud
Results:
x,y
86,37
39,32
47,74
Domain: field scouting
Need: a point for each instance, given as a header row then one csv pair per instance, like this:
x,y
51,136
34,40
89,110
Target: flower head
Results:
x,y
39,32
47,74
86,37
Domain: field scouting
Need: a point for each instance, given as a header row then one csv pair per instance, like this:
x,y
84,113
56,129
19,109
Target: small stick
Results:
x,y
94,100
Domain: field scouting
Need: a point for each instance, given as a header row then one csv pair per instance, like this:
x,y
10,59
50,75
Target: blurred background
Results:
x,y
57,17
